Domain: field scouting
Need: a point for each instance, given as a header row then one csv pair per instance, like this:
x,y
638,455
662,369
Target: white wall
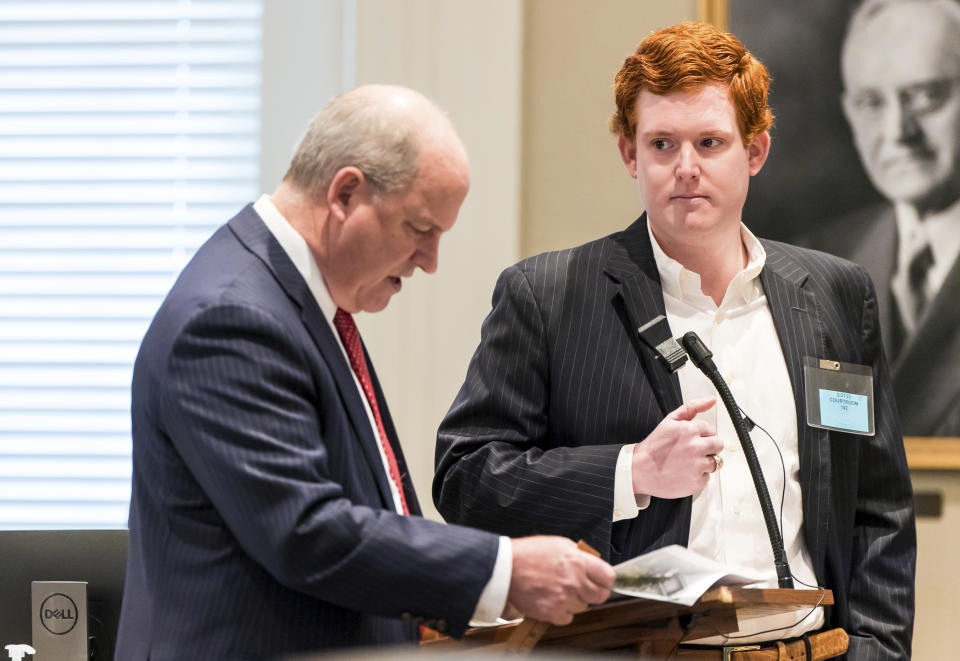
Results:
x,y
304,66
575,187
467,57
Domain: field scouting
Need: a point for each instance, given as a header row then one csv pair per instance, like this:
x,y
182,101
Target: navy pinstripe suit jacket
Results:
x,y
261,521
560,382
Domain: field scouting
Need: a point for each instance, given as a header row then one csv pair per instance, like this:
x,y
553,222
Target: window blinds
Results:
x,y
128,132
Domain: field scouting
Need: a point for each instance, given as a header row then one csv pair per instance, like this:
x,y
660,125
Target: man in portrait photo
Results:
x,y
901,76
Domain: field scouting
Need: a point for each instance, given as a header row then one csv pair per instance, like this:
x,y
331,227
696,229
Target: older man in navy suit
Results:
x,y
272,511
562,398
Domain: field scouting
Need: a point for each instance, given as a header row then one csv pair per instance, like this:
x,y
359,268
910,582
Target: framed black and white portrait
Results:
x,y
865,164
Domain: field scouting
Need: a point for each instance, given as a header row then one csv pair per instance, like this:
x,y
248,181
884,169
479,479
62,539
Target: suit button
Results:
x,y
406,616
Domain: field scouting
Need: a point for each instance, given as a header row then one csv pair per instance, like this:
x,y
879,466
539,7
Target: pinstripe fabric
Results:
x,y
261,519
560,382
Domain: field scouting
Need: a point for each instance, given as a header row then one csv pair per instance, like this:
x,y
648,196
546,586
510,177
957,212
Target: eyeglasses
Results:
x,y
916,99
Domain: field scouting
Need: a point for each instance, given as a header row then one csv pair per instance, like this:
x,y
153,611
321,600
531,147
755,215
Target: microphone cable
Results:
x,y
783,495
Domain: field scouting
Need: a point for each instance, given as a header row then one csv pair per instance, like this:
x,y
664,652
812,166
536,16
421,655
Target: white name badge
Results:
x,y
839,395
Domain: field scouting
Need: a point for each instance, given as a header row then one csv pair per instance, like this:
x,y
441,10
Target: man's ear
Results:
x,y
628,153
757,152
342,194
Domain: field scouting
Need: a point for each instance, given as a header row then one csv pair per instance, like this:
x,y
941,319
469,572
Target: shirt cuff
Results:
x,y
493,599
626,504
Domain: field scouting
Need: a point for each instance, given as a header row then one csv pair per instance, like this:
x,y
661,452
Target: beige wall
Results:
x,y
302,36
938,570
467,57
575,187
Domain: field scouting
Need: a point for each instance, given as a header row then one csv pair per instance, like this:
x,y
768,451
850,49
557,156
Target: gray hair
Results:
x,y
867,9
357,129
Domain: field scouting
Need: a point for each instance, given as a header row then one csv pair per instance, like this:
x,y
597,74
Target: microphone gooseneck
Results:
x,y
703,359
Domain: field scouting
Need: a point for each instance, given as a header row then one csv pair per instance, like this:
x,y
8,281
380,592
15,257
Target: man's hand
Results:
x,y
552,579
676,459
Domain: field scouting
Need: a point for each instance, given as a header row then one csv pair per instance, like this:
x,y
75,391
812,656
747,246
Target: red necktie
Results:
x,y
351,342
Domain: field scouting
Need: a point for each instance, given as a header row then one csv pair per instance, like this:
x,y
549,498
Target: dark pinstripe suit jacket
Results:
x,y
560,382
260,520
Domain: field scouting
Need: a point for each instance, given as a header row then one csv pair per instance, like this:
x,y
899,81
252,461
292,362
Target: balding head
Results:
x,y
379,176
380,129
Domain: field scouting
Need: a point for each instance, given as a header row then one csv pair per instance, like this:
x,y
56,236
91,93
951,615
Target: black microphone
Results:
x,y
703,359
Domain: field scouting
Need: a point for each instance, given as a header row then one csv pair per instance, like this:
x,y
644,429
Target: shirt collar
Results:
x,y
940,230
683,284
299,253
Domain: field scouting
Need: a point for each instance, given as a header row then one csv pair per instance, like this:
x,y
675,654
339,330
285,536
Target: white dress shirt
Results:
x,y
494,596
726,522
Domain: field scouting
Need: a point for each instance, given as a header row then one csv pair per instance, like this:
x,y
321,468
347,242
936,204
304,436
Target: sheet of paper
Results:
x,y
495,623
675,574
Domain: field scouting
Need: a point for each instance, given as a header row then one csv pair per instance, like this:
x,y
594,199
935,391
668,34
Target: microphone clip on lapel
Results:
x,y
656,335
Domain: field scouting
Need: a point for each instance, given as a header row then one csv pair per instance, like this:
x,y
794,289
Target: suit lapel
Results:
x,y
637,298
254,234
800,331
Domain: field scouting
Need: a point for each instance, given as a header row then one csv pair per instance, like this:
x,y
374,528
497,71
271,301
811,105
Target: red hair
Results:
x,y
686,56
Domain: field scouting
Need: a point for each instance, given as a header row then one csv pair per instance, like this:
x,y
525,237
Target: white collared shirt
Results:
x,y
299,253
726,522
494,596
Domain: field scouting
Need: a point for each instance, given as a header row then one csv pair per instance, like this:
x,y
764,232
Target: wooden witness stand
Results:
x,y
650,627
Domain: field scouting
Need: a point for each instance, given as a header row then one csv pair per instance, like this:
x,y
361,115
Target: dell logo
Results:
x,y
58,614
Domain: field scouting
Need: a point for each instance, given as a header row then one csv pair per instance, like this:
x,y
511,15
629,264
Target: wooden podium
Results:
x,y
652,628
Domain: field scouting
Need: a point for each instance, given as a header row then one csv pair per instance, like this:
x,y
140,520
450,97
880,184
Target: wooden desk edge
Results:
x,y
932,452
718,597
725,594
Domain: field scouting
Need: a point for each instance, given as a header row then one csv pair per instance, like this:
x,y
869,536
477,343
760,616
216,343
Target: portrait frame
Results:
x,y
923,452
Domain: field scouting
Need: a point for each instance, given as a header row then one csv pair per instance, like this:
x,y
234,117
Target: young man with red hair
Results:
x,y
568,424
